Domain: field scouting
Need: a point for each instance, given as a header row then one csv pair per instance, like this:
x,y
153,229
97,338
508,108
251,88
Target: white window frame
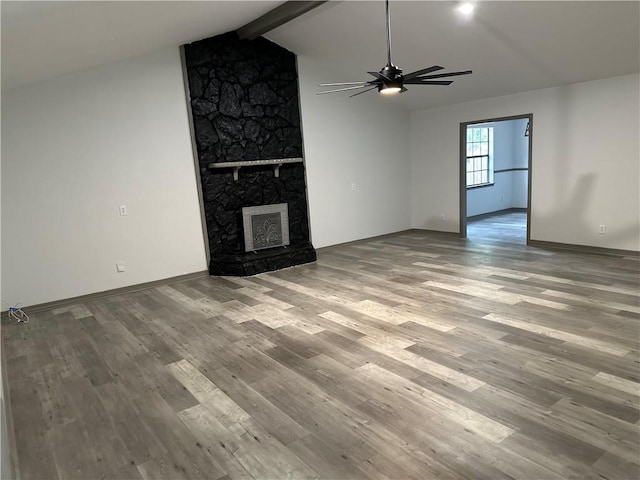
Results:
x,y
479,156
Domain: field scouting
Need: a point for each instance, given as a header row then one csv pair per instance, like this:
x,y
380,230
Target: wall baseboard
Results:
x,y
107,293
436,232
360,240
497,212
387,235
584,248
143,286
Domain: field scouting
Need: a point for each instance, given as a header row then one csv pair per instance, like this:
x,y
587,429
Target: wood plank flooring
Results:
x,y
409,356
504,226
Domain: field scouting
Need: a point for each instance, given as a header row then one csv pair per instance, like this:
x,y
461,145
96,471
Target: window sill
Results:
x,y
472,187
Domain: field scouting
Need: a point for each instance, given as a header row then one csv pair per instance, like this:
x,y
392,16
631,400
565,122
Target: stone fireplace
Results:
x,y
246,120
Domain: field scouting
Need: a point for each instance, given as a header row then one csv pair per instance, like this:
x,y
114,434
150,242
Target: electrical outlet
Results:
x,y
353,186
443,216
603,229
123,210
120,267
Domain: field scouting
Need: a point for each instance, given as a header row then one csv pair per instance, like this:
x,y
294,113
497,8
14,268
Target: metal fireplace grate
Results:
x,y
265,226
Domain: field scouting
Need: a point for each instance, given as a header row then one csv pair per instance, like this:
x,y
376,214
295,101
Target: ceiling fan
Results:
x,y
390,80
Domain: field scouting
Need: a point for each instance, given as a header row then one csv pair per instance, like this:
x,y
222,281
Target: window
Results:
x,y
479,156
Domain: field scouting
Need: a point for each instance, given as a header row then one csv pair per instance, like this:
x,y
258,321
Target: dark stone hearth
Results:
x,y
245,106
261,261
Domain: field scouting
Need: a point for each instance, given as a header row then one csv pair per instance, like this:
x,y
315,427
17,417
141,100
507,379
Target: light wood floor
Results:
x,y
510,227
414,355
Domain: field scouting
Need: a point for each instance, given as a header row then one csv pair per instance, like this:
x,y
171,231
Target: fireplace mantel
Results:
x,y
276,162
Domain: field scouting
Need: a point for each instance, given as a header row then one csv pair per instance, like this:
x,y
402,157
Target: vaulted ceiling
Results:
x,y
511,46
44,39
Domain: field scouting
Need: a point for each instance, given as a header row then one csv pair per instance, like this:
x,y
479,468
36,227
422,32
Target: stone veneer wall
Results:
x,y
244,100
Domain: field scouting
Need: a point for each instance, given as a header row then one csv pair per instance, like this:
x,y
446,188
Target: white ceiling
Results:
x,y
510,46
45,39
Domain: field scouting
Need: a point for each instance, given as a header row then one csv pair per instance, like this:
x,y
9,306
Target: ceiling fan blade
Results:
x,y
443,75
341,89
417,81
364,91
380,77
402,90
424,71
342,84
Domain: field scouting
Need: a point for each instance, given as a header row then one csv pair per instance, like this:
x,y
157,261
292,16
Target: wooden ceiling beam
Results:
x,y
276,17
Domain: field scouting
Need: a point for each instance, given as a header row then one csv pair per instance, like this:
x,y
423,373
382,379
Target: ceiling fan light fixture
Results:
x,y
390,89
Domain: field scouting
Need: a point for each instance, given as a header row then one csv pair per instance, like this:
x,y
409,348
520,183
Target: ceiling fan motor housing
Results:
x,y
392,72
394,76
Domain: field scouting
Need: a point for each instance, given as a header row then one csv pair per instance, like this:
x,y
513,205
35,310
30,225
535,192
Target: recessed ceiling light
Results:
x,y
466,8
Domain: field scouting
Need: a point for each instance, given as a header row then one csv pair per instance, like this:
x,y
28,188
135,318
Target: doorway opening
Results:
x,y
495,178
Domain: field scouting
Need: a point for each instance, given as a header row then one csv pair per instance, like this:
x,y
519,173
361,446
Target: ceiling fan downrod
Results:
x,y
389,64
391,75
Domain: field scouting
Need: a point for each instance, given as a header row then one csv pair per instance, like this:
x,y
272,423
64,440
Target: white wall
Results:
x,y
586,168
73,150
362,140
77,147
